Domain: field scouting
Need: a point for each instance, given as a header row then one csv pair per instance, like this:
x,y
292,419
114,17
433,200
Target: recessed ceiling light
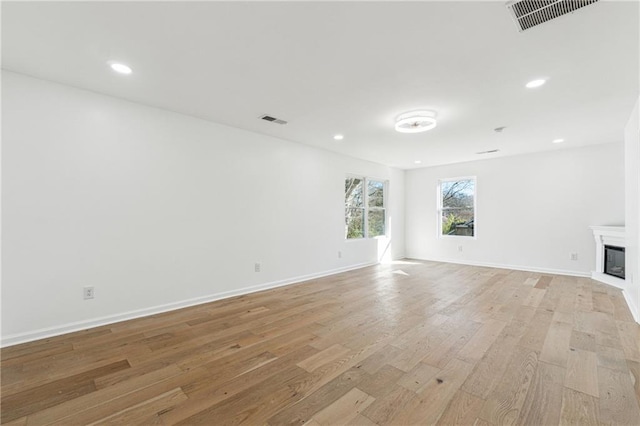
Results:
x,y
536,83
338,137
416,121
120,68
417,162
557,140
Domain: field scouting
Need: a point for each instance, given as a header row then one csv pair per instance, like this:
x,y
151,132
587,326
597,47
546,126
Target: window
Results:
x,y
457,207
365,212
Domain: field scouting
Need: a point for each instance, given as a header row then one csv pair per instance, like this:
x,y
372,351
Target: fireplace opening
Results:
x,y
614,261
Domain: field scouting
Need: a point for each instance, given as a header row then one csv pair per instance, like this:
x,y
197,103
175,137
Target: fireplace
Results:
x,y
610,250
614,261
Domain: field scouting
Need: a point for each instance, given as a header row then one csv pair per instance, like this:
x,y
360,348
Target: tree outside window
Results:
x,y
457,206
365,212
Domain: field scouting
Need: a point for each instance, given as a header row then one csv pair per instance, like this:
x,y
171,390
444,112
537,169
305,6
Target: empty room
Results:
x,y
320,213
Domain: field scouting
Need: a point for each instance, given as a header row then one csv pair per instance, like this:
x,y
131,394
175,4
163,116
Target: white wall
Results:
x,y
532,210
632,211
157,209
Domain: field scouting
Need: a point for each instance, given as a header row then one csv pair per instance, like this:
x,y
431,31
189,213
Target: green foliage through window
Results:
x,y
457,207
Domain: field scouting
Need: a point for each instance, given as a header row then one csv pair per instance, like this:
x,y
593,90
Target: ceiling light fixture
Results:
x,y
120,68
338,137
536,83
557,140
417,162
416,122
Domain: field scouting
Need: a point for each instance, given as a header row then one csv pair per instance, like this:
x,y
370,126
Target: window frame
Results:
x,y
366,208
440,208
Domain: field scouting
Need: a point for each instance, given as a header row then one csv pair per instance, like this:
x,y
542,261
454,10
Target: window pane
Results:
x,y
458,222
353,192
457,200
375,191
458,194
376,222
354,222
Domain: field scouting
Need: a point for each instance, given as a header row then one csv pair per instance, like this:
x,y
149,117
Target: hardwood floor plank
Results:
x,y
143,412
582,372
75,407
303,410
611,358
449,348
578,409
535,297
48,395
433,399
534,337
481,341
618,404
634,368
556,345
382,410
345,409
488,372
418,377
629,337
462,410
379,384
543,402
415,342
503,405
584,341
206,392
323,357
602,303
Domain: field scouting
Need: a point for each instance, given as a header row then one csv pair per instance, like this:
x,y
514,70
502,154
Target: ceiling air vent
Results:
x,y
529,13
272,119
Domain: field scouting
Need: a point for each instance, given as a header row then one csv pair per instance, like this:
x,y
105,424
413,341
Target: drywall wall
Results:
x,y
158,210
532,210
396,217
632,210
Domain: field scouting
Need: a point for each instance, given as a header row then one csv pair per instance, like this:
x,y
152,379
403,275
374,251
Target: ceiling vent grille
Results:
x,y
272,119
529,13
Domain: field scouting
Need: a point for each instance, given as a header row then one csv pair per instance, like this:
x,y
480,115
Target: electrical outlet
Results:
x,y
257,267
574,256
460,248
339,254
88,292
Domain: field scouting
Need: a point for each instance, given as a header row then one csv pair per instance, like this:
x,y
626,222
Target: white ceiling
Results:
x,y
349,68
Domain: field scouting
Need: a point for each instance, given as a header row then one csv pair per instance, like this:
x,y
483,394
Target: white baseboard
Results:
x,y
514,267
14,339
632,306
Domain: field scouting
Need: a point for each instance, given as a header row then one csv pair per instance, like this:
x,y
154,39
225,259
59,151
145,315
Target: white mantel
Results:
x,y
610,236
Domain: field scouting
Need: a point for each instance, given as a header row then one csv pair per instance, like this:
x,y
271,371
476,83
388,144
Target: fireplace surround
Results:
x,y
610,255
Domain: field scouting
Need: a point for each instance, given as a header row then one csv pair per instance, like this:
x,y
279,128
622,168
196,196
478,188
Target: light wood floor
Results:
x,y
413,343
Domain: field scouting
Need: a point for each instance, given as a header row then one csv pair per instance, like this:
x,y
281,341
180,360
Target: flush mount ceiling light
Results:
x,y
416,122
417,162
535,83
120,68
557,140
338,137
